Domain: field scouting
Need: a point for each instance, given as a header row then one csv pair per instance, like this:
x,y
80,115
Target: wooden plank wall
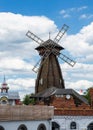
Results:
x,y
19,112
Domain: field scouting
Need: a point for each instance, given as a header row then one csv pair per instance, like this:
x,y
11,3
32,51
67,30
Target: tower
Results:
x,y
49,73
8,97
4,88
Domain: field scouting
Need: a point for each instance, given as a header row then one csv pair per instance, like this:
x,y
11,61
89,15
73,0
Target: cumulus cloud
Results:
x,y
23,86
81,84
13,40
17,54
15,28
14,63
80,45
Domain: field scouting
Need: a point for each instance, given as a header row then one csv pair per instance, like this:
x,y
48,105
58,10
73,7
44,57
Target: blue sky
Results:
x,y
17,52
50,9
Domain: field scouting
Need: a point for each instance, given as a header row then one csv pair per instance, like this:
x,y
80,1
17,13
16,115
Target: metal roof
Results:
x,y
10,95
58,91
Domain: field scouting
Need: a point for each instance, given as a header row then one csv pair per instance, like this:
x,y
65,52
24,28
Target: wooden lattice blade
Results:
x,y
58,37
61,33
34,37
41,61
36,67
67,59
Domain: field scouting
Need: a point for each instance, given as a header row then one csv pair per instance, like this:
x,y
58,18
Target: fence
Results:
x,y
19,112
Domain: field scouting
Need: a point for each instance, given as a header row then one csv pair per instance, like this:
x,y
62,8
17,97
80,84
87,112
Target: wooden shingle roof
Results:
x,y
48,43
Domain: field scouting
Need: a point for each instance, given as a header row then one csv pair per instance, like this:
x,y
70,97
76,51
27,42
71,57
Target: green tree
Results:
x,y
87,95
27,100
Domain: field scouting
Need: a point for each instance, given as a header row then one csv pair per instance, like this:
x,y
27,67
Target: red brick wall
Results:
x,y
62,102
74,112
91,96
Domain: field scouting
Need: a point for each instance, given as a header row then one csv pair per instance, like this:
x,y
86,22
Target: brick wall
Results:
x,y
74,112
63,102
91,96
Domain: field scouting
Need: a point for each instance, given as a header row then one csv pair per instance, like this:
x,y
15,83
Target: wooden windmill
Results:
x,y
48,68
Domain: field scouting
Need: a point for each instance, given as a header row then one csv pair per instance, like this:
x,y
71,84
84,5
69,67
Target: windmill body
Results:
x,y
49,73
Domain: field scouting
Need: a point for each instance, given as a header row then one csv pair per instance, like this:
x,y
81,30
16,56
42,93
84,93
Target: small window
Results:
x,y
1,128
41,127
73,125
22,127
41,81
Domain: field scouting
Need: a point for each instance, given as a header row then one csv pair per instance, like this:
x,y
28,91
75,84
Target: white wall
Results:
x,y
31,125
81,121
63,121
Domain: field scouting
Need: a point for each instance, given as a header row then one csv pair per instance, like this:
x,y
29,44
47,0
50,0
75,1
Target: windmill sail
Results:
x,y
36,66
50,49
34,37
39,63
61,33
57,38
66,59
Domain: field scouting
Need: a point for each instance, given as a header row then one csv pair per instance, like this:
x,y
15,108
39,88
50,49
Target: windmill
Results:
x,y
49,72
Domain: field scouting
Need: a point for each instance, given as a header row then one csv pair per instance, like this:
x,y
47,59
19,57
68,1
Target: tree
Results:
x,y
27,100
87,95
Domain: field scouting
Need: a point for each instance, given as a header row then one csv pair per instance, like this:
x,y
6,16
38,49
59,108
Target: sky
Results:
x,y
17,51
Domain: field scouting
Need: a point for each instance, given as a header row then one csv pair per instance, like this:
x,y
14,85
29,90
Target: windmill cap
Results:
x,y
48,43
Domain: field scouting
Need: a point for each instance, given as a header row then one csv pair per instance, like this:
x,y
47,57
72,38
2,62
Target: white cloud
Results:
x,y
21,83
78,72
82,8
66,13
83,16
17,51
23,86
15,46
62,11
17,54
15,28
66,16
81,84
80,45
86,16
14,63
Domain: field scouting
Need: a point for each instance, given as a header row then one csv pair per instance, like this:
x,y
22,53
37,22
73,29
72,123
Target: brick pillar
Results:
x,y
91,96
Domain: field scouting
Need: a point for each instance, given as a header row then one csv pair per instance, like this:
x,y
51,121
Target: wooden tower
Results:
x,y
48,68
49,73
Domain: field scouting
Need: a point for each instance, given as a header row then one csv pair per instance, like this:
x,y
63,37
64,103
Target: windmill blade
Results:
x,y
61,33
67,59
34,37
37,39
41,61
64,58
36,67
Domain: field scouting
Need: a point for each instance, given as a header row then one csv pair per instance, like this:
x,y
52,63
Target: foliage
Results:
x,y
87,95
27,100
